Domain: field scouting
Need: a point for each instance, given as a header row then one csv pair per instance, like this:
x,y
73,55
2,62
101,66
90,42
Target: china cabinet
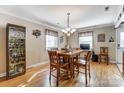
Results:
x,y
15,50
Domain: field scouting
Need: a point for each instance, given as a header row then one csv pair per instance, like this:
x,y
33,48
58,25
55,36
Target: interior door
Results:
x,y
120,44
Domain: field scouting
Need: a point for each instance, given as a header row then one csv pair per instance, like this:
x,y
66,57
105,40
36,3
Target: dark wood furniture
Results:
x,y
60,61
71,53
83,64
104,54
57,65
70,56
15,50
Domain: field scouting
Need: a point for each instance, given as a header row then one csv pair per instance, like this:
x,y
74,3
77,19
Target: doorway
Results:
x,y
120,47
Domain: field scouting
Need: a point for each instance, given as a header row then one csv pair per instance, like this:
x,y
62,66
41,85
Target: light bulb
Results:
x,y
64,31
68,29
73,30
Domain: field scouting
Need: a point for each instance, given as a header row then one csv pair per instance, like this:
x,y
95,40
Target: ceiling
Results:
x,y
56,15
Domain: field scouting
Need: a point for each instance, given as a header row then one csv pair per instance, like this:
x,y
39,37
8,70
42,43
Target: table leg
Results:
x,y
72,67
99,59
107,60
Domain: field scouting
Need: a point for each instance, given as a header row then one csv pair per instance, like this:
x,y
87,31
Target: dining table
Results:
x,y
73,56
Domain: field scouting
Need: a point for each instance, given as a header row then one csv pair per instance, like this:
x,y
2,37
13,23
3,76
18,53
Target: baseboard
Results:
x,y
38,64
2,74
34,65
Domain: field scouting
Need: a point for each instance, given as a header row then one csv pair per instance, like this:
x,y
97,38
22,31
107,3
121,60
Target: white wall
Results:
x,y
108,31
35,47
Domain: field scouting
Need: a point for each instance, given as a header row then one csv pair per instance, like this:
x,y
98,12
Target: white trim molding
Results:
x,y
2,74
38,64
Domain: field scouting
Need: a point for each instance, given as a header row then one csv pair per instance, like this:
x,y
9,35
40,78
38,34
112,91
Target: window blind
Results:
x,y
51,32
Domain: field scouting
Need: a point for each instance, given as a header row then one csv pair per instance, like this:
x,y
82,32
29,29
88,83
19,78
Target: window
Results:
x,y
122,39
86,38
51,39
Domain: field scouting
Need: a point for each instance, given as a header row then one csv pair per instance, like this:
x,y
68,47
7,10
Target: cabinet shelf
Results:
x,y
19,63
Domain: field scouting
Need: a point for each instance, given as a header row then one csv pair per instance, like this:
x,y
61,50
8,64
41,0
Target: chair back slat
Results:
x,y
103,50
53,56
63,58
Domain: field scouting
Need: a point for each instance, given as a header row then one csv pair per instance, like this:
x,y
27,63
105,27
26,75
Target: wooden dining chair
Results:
x,y
104,54
56,66
66,59
83,64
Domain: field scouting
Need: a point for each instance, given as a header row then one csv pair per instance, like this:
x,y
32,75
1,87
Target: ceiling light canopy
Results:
x,y
106,8
68,31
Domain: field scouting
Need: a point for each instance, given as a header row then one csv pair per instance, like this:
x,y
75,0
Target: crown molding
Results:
x,y
44,24
96,26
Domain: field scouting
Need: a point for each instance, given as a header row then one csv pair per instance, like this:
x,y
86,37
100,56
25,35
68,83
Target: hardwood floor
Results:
x,y
120,67
102,75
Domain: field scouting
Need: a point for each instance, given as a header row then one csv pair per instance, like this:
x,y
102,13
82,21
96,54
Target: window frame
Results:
x,y
46,42
120,40
53,33
92,38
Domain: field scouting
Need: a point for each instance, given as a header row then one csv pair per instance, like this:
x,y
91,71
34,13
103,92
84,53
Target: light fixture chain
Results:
x,y
68,20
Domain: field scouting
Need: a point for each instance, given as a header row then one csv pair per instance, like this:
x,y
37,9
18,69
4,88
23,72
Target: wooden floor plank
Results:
x,y
102,75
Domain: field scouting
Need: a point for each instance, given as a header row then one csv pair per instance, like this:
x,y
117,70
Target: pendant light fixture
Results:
x,y
68,31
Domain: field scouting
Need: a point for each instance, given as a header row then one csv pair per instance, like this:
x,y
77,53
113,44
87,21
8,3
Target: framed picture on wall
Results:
x,y
61,39
101,37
